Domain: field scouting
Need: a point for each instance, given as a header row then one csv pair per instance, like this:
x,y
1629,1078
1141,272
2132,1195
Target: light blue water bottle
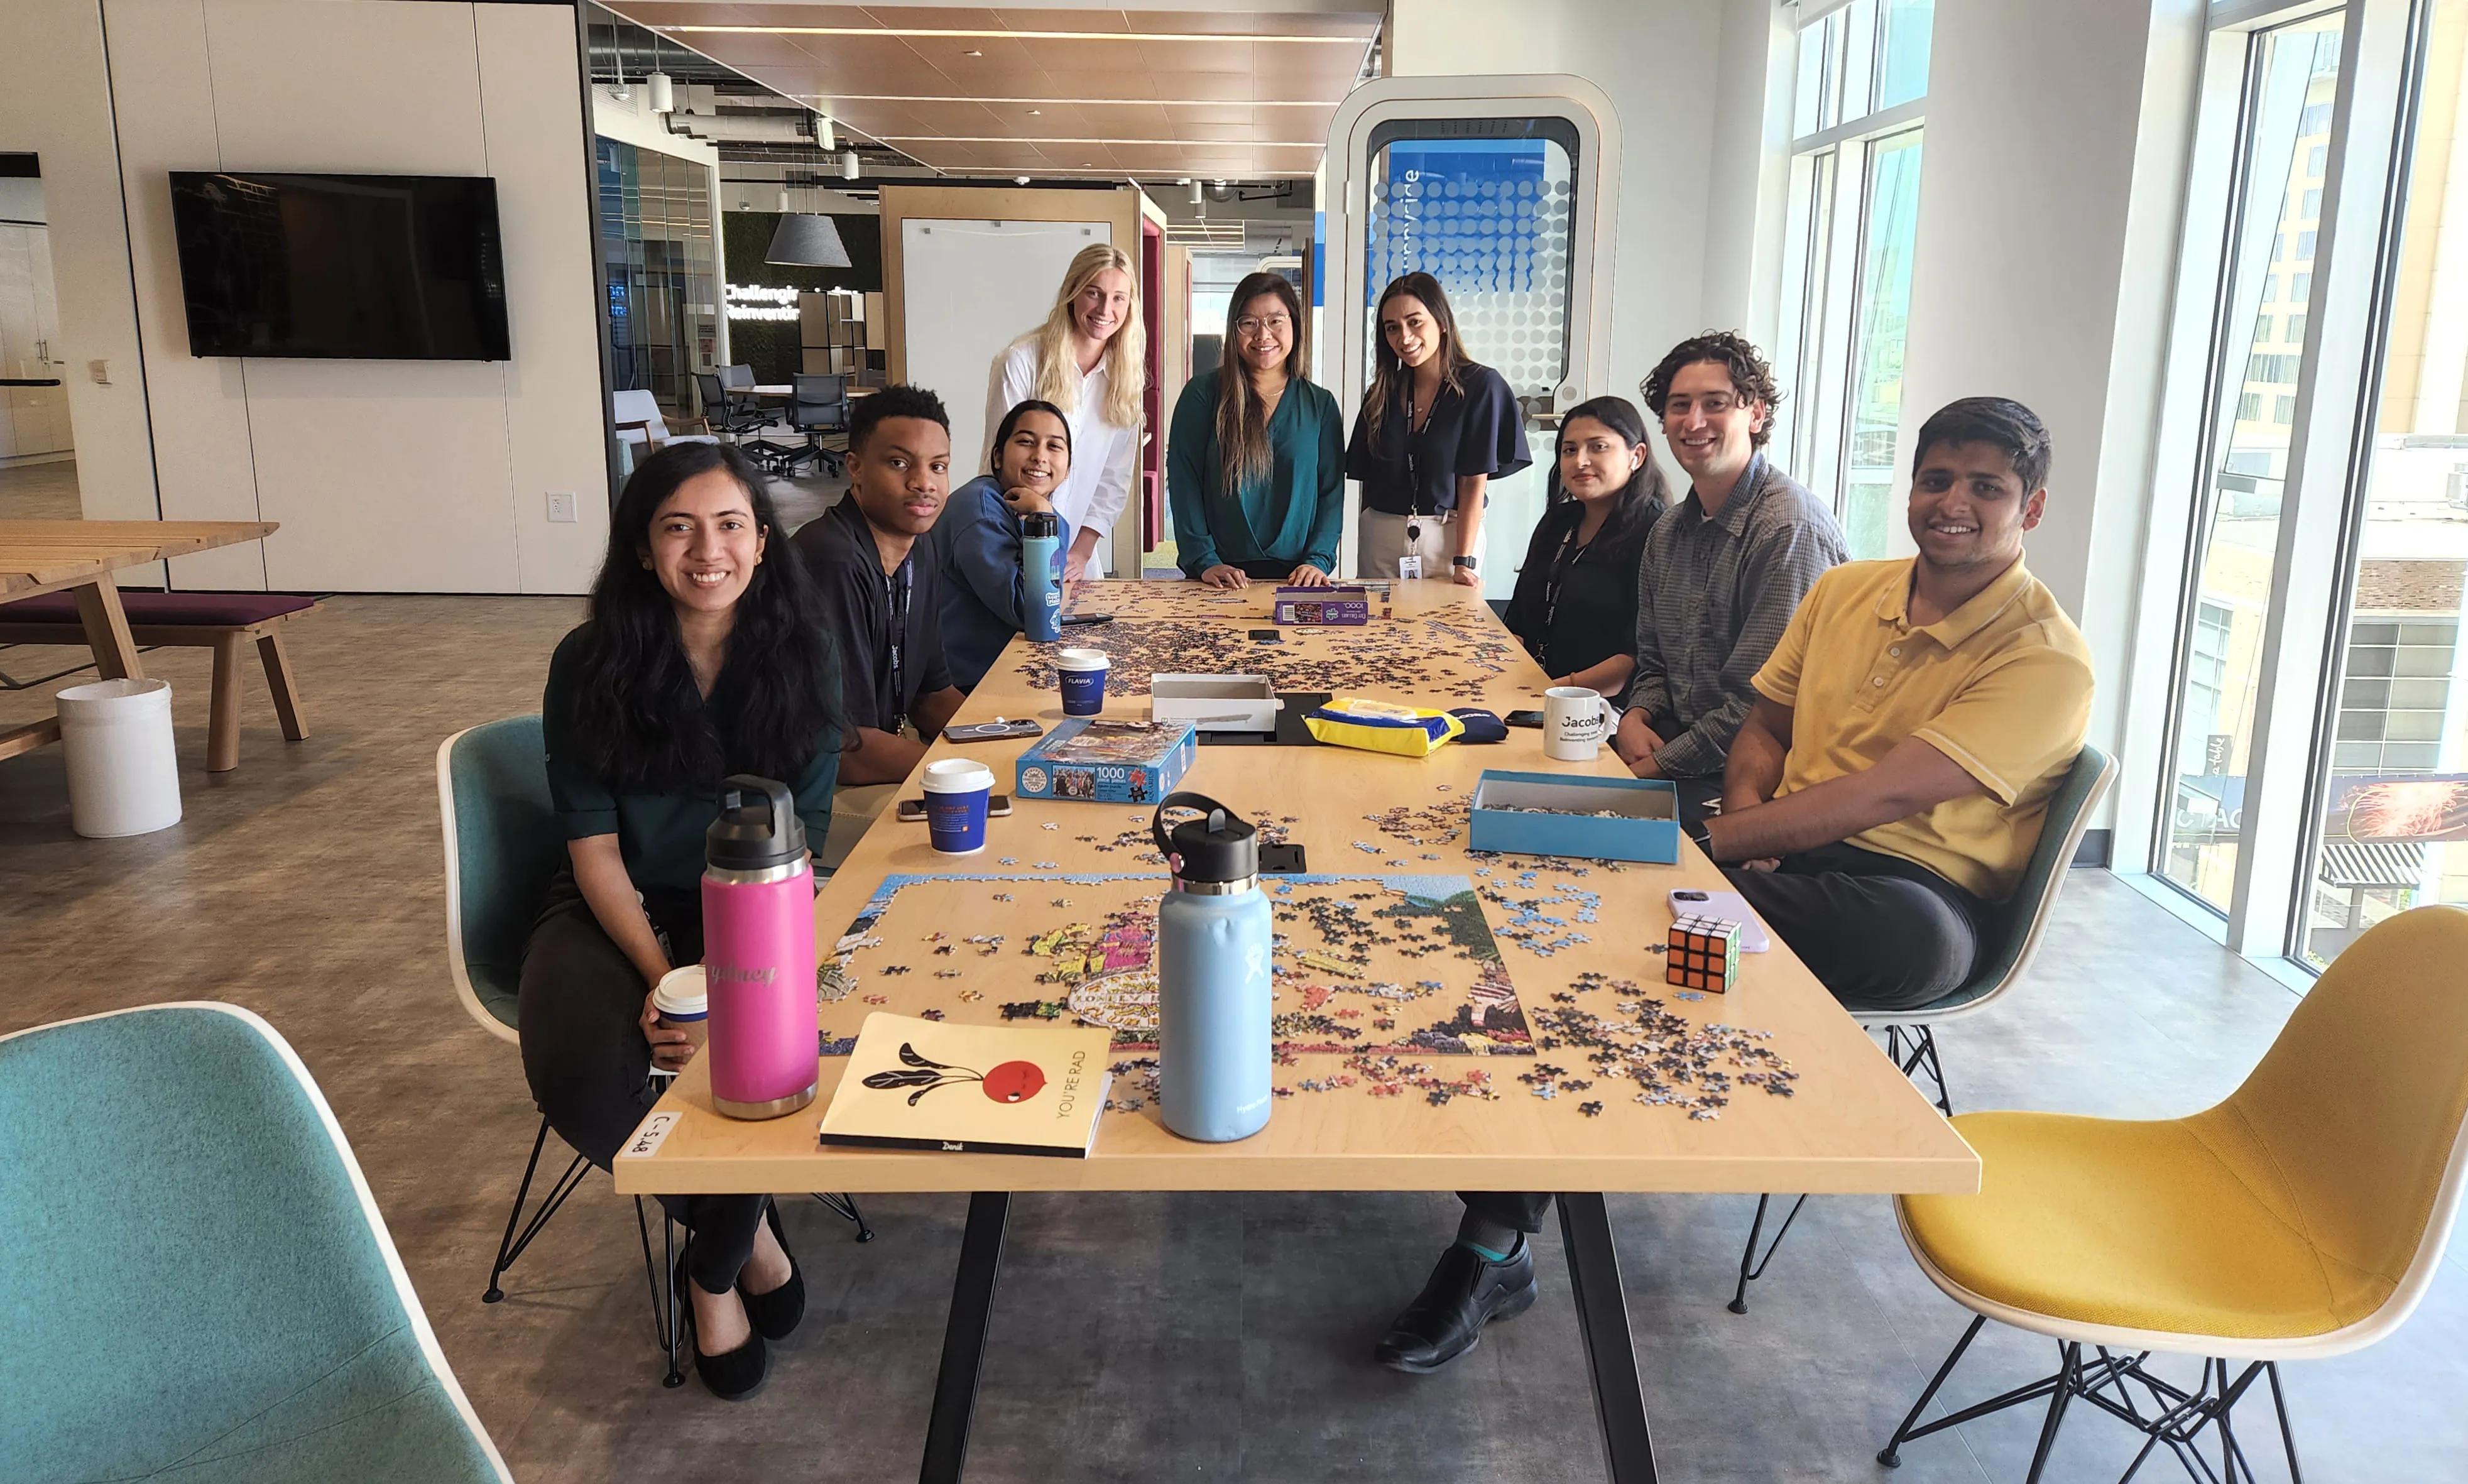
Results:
x,y
1041,575
1214,937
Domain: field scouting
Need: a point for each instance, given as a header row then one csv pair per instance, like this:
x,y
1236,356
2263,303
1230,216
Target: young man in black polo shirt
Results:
x,y
885,604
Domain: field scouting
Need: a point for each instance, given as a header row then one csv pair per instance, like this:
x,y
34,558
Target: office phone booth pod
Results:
x,y
1505,189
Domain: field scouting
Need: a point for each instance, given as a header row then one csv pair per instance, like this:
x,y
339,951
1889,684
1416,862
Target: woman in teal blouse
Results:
x,y
1255,463
705,655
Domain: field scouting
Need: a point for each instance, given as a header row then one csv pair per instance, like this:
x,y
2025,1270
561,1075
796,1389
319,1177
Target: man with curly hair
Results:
x,y
1722,572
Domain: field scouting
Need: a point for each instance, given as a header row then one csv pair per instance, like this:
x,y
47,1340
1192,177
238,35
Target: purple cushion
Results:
x,y
202,609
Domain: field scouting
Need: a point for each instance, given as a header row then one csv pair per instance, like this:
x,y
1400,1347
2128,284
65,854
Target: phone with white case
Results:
x,y
1727,905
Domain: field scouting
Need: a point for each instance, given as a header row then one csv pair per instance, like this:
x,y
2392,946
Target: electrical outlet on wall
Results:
x,y
561,506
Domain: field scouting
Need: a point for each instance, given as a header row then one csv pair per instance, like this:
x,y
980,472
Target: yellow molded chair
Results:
x,y
2303,1217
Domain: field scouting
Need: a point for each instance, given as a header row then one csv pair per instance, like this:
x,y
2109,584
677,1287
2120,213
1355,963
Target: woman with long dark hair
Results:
x,y
1255,469
1435,428
1575,605
977,542
704,654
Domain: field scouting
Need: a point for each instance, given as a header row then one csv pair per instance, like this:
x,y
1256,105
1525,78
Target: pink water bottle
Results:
x,y
758,949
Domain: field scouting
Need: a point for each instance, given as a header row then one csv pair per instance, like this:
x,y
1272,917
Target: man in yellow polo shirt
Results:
x,y
1889,783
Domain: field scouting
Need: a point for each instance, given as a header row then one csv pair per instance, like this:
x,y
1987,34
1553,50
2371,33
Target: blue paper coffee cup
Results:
x,y
956,793
1082,673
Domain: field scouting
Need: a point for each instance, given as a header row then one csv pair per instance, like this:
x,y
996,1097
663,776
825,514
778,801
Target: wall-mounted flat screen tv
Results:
x,y
371,268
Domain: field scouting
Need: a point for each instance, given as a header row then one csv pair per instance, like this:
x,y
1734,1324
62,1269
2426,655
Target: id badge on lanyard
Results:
x,y
1410,566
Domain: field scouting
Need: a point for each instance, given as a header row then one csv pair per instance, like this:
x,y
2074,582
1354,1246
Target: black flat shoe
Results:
x,y
1466,1291
775,1315
733,1376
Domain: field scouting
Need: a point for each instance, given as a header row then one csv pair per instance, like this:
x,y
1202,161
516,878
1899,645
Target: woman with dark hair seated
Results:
x,y
704,654
977,542
1575,604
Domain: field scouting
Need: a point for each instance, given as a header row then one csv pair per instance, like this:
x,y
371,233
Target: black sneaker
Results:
x,y
1466,1291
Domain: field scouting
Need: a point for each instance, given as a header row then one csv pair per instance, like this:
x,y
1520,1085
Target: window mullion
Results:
x,y
2330,403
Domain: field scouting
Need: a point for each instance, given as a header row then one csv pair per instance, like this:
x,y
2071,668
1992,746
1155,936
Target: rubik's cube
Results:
x,y
1704,953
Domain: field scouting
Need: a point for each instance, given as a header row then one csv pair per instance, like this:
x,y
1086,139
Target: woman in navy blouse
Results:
x,y
1435,429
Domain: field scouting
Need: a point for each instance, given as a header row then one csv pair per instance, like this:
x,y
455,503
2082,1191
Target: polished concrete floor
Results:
x,y
1201,1338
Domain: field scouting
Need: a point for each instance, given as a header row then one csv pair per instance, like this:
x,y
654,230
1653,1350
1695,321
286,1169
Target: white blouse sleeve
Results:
x,y
1113,491
1011,380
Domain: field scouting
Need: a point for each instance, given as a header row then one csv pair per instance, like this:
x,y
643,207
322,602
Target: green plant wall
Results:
x,y
772,346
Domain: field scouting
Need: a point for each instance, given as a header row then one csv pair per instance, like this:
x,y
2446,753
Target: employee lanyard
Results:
x,y
896,594
1561,562
1414,512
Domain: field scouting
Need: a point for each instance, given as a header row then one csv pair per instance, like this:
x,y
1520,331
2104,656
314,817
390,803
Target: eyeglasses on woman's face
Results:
x,y
1251,327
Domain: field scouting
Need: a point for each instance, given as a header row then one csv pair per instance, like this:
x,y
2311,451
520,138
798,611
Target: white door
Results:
x,y
18,332
52,430
1502,188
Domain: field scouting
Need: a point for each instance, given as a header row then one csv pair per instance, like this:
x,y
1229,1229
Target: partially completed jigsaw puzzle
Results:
x,y
1402,963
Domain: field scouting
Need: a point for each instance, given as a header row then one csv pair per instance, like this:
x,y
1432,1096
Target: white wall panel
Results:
x,y
164,96
58,102
385,475
556,431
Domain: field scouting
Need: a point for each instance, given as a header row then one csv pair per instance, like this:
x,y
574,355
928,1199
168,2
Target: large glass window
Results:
x,y
1853,215
2291,76
2391,785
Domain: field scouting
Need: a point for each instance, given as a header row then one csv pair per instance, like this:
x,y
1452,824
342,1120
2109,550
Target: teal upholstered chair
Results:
x,y
1910,1035
503,847
194,1279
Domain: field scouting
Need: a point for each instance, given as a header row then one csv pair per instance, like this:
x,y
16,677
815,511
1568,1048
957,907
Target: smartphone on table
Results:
x,y
1730,906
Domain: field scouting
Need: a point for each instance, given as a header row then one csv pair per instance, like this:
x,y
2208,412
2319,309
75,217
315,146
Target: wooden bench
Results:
x,y
222,622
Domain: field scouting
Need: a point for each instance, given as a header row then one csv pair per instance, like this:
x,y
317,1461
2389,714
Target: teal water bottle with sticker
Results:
x,y
1215,934
1041,575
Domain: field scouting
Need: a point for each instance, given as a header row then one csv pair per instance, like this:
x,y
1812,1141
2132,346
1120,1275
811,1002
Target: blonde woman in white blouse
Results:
x,y
1089,359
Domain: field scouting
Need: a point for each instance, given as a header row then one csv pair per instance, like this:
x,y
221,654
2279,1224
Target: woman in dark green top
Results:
x,y
705,655
1255,462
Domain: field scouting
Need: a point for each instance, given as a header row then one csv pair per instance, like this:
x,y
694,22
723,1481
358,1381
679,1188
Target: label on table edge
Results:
x,y
648,1138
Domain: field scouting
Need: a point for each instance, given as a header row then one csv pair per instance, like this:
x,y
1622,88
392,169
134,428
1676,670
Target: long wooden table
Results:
x,y
81,557
1855,1124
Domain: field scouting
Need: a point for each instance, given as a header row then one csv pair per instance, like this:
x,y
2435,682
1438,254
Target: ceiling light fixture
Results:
x,y
972,54
807,240
1020,180
661,93
784,201
848,164
1081,103
1198,196
1043,139
824,134
1037,113
952,35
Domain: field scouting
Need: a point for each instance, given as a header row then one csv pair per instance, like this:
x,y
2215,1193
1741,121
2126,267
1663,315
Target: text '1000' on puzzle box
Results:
x,y
1107,762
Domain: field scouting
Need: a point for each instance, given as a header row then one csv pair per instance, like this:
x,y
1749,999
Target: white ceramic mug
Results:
x,y
1574,722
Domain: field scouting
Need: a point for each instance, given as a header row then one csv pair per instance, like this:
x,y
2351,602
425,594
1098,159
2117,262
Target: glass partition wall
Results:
x,y
656,229
2317,772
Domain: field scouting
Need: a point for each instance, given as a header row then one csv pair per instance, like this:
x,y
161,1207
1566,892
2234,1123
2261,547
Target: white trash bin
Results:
x,y
123,775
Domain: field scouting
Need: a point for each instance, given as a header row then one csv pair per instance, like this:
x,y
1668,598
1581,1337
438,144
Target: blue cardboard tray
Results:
x,y
1647,829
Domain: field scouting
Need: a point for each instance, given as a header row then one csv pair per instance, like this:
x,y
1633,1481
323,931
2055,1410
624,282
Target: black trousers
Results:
x,y
1878,931
590,1069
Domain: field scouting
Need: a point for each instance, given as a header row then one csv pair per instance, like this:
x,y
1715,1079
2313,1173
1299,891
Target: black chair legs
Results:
x,y
1913,1048
1753,1267
846,1207
2176,1418
511,1246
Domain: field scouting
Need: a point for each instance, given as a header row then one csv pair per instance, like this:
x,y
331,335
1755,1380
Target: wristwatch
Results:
x,y
1469,564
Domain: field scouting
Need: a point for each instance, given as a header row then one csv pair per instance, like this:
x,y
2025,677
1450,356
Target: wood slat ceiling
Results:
x,y
1228,94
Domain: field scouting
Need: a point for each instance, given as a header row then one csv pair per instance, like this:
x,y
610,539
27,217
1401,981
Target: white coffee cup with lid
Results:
x,y
683,1003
